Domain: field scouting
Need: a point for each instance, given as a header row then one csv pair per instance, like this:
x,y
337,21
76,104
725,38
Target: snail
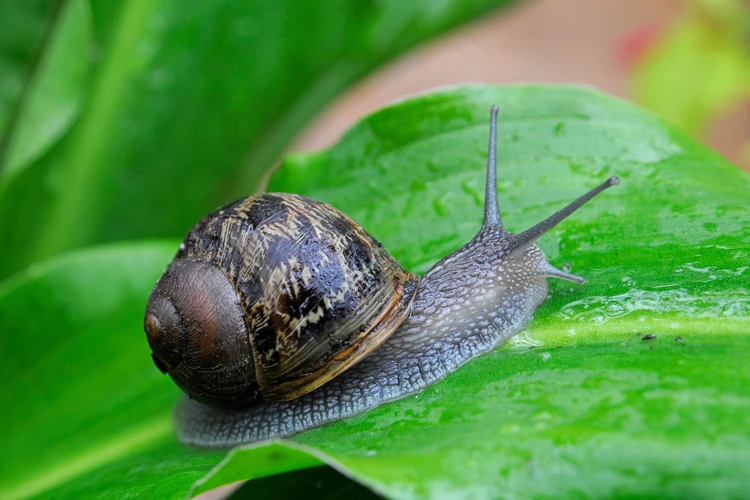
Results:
x,y
279,313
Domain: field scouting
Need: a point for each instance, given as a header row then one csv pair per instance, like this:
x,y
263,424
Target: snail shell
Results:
x,y
316,291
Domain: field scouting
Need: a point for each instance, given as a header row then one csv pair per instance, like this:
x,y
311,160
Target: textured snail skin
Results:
x,y
468,303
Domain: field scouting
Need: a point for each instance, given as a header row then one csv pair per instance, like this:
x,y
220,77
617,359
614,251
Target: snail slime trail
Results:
x,y
279,313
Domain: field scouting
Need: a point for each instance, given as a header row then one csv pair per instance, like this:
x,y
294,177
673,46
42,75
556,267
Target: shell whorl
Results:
x,y
318,292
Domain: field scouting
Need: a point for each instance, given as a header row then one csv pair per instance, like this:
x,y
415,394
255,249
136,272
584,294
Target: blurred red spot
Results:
x,y
634,46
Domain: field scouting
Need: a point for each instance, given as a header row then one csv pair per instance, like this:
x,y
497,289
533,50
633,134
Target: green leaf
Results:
x,y
24,31
583,404
187,101
54,96
85,392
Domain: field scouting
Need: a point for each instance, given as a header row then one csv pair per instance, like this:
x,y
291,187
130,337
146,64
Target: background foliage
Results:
x,y
115,110
698,66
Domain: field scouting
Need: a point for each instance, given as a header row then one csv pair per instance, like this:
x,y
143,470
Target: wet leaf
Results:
x,y
577,405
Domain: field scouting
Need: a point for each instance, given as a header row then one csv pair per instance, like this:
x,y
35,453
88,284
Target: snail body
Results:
x,y
279,313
